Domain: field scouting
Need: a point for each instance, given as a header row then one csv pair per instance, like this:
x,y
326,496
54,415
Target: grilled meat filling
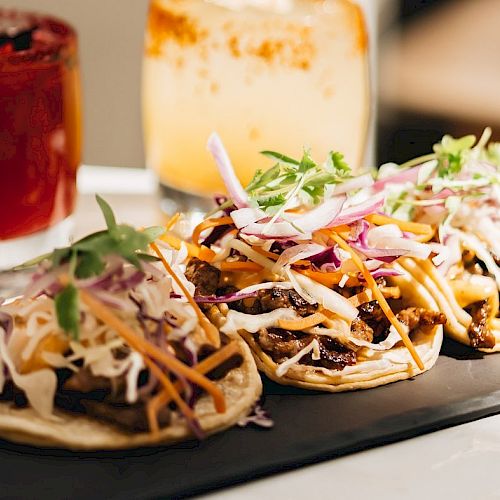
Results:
x,y
479,333
371,325
271,299
284,344
104,398
204,276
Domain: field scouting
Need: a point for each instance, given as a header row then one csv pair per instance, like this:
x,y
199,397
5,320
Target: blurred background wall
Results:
x,y
438,72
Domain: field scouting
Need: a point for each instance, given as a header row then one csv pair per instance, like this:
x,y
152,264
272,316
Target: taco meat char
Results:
x,y
307,272
107,349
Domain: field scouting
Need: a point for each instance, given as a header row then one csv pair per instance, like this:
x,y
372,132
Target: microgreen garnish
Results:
x,y
275,189
457,165
88,257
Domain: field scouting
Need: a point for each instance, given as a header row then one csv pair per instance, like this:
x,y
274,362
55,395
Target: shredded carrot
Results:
x,y
172,392
425,230
147,349
328,279
343,228
361,298
206,254
251,267
202,252
380,298
172,221
302,323
209,223
205,366
210,330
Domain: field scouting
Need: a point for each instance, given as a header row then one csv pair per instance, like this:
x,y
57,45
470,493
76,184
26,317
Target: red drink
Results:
x,y
40,123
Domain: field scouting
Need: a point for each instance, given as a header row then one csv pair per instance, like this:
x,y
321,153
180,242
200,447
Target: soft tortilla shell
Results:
x,y
397,362
458,320
241,386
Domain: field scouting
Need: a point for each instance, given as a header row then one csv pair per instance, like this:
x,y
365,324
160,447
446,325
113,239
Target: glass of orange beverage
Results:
x,y
264,74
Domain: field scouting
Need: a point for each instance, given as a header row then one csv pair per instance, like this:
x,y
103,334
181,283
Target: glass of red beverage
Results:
x,y
40,134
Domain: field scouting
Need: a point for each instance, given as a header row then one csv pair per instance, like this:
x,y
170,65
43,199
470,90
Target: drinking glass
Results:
x,y
264,74
40,134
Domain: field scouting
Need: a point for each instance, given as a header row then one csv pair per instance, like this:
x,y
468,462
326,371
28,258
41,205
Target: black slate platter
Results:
x,y
309,427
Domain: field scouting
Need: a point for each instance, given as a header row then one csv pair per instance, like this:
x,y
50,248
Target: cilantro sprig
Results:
x,y
273,190
88,257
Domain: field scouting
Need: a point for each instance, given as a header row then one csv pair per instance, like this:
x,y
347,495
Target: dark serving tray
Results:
x,y
309,427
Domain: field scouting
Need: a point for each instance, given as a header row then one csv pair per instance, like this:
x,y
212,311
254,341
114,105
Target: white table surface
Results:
x,y
461,462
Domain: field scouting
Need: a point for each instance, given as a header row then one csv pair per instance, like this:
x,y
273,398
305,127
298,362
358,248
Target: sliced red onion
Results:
x,y
128,282
111,300
412,248
445,193
387,255
298,252
258,417
278,231
353,184
115,267
245,216
231,297
409,175
41,283
384,272
321,216
215,235
359,232
328,258
356,212
378,234
309,222
226,170
280,246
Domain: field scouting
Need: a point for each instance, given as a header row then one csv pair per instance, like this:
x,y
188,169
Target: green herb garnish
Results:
x,y
87,258
441,170
289,179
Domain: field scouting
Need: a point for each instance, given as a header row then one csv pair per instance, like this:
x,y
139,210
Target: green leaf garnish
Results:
x,y
444,169
106,210
280,158
289,180
89,264
67,310
87,257
452,154
337,164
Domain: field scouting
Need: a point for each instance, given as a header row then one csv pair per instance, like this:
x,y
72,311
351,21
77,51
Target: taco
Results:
x,y
303,268
456,191
107,350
